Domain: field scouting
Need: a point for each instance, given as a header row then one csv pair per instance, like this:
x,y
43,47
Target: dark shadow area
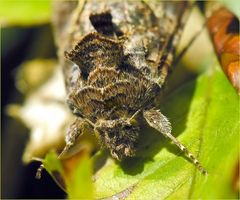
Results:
x,y
133,166
45,188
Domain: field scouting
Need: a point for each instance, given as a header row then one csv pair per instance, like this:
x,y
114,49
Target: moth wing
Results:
x,y
172,17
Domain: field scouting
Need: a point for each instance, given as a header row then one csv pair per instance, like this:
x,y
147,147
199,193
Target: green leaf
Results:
x,y
81,186
54,167
24,12
52,163
73,175
204,115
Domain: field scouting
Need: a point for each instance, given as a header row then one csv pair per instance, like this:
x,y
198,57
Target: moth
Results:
x,y
116,56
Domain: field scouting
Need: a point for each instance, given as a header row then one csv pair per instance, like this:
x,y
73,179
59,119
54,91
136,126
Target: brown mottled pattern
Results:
x,y
95,50
121,53
109,75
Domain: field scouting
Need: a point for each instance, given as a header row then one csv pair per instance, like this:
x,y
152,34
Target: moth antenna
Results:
x,y
187,153
159,122
39,172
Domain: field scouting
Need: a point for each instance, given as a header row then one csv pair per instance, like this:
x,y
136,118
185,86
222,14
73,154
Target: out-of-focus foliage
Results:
x,y
233,5
33,74
80,185
72,174
223,27
44,111
24,12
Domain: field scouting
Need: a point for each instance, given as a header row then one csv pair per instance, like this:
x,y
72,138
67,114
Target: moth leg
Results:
x,y
158,121
75,130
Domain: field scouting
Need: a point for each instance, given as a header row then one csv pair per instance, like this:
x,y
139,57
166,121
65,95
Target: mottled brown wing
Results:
x,y
172,17
152,31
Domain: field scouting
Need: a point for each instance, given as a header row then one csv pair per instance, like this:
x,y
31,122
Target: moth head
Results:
x,y
120,136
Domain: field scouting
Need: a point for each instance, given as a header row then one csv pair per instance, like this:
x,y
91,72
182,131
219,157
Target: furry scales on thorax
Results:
x,y
118,55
